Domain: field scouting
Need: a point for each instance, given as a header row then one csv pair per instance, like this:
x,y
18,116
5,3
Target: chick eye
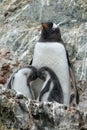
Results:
x,y
31,76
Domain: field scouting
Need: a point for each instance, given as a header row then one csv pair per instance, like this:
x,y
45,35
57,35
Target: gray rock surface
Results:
x,y
14,113
24,114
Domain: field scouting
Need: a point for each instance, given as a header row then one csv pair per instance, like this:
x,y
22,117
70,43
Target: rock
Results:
x,y
8,64
4,73
14,112
4,52
24,114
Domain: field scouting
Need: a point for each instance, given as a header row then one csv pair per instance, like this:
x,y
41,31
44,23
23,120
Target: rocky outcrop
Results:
x,y
7,65
20,113
14,113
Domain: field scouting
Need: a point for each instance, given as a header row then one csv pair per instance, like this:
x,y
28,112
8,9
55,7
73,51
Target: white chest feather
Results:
x,y
53,55
46,95
20,83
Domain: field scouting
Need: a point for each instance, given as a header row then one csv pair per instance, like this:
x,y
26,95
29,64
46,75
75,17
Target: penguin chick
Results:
x,y
51,89
20,81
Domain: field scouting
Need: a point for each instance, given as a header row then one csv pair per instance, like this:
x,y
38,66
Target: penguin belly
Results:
x,y
52,55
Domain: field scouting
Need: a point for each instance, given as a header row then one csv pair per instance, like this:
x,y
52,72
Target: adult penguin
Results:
x,y
50,51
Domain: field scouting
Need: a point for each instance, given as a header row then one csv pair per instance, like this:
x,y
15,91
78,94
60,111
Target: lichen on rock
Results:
x,y
24,114
14,112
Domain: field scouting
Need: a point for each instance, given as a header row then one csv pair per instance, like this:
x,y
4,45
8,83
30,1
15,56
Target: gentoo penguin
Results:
x,y
50,51
53,55
51,89
20,81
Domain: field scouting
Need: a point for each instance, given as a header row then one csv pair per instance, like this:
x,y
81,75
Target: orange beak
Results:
x,y
44,25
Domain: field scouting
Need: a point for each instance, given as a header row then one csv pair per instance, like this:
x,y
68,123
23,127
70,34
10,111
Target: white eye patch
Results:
x,y
54,26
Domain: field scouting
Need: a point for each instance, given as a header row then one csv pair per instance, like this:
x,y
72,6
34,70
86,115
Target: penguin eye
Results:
x,y
31,77
50,24
34,76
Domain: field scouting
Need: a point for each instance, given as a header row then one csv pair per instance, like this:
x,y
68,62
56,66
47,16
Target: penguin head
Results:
x,y
27,72
33,73
43,73
50,32
47,25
